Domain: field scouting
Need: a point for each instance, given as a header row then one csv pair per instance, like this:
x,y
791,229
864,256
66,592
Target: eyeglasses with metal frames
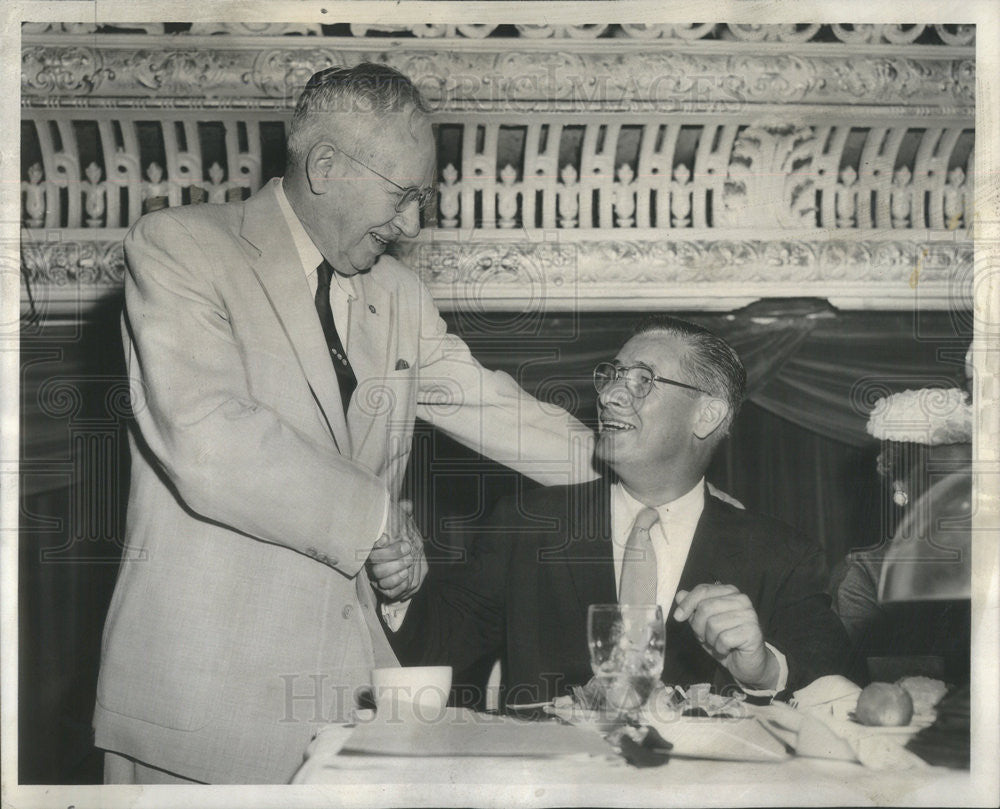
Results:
x,y
422,195
638,379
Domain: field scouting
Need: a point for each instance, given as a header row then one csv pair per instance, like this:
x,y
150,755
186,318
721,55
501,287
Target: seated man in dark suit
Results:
x,y
745,594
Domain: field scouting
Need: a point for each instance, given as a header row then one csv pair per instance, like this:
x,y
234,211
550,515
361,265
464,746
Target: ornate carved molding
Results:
x,y
649,171
741,32
108,70
771,178
73,263
797,257
590,270
796,160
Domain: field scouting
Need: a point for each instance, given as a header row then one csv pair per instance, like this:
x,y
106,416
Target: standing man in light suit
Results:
x,y
278,358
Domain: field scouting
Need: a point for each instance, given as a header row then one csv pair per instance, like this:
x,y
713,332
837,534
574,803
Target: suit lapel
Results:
x,y
587,553
371,332
716,549
280,275
716,554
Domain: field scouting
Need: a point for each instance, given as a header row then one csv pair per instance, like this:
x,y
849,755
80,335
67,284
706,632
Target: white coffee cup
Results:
x,y
411,690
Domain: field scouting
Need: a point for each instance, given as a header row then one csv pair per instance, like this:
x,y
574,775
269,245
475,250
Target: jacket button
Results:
x,y
347,612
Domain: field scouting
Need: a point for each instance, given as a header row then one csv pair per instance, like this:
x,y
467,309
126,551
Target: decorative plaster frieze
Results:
x,y
590,271
105,70
264,29
763,175
609,262
948,34
770,180
63,261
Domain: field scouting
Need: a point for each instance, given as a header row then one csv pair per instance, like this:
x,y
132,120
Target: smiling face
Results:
x,y
351,213
652,443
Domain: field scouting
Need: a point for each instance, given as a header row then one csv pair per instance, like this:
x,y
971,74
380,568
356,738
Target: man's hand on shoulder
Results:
x,y
397,565
725,623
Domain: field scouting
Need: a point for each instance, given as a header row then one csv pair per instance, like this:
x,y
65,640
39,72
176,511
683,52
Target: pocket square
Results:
x,y
402,365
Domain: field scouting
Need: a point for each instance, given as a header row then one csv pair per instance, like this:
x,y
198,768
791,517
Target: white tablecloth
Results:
x,y
609,781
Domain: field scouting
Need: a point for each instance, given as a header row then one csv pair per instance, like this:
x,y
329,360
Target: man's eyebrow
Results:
x,y
635,364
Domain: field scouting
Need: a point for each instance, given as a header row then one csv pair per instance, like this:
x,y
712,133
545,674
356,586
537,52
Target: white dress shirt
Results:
x,y
678,521
671,538
341,290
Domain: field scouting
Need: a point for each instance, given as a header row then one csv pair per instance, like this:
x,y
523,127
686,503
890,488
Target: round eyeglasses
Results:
x,y
422,195
638,379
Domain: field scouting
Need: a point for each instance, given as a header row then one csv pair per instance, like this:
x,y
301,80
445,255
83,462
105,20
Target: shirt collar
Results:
x,y
309,254
685,509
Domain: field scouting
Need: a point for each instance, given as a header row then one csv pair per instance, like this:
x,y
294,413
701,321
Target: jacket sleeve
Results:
x,y
801,622
229,457
489,412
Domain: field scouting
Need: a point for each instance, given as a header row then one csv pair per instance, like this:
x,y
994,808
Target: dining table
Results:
x,y
462,758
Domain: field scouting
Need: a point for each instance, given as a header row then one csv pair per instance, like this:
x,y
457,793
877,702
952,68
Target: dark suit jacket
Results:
x,y
522,590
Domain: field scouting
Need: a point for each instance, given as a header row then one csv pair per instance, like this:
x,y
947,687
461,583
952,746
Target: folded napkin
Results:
x,y
820,726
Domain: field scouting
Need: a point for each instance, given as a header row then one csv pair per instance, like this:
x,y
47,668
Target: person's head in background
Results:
x,y
360,162
925,434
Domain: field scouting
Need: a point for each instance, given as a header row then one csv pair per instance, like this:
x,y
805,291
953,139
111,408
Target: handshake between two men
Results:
x,y
397,565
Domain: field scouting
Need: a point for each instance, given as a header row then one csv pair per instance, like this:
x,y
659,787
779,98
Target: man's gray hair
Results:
x,y
364,89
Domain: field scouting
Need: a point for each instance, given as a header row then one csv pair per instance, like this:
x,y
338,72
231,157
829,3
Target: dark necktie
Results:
x,y
638,581
345,374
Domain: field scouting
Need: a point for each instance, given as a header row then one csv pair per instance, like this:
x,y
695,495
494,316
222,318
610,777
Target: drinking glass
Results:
x,y
626,652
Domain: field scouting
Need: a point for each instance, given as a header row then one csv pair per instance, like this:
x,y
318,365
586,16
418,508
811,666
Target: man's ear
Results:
x,y
319,167
710,417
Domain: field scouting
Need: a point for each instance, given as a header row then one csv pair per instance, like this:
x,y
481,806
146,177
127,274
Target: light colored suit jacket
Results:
x,y
242,617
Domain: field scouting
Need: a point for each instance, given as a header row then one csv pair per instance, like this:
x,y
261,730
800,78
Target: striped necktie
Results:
x,y
345,374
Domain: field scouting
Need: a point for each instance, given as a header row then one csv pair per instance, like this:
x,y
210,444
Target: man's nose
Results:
x,y
408,220
615,392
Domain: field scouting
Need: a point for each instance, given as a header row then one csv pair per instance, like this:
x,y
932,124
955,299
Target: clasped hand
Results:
x,y
726,624
397,565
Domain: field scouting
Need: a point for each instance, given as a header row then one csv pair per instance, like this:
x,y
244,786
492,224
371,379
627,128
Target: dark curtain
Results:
x,y
74,472
827,489
834,377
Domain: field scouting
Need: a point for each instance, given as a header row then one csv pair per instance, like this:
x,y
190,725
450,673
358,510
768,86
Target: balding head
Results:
x,y
360,163
350,105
